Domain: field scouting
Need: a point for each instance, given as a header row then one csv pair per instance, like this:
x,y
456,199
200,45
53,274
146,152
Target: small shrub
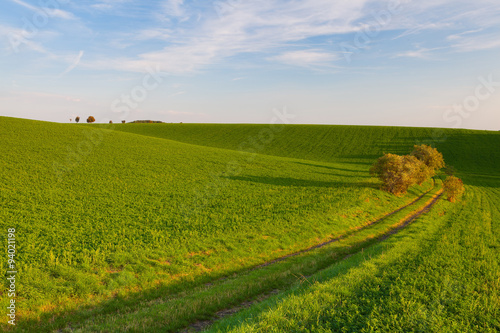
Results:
x,y
90,119
123,121
453,188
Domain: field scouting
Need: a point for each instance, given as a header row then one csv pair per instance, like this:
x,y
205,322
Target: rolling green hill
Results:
x,y
104,212
467,150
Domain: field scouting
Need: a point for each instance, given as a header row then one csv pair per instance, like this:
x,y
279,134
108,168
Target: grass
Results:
x,y
174,312
441,274
467,150
107,220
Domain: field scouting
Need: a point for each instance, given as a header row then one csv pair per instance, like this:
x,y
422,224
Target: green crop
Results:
x,y
441,274
102,214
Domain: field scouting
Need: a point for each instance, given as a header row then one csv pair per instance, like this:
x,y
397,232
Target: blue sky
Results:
x,y
408,63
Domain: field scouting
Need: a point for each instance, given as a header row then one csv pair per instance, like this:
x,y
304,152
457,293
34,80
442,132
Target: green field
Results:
x,y
441,274
118,226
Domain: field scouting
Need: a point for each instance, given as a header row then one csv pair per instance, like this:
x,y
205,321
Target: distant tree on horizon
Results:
x,y
77,119
90,119
123,121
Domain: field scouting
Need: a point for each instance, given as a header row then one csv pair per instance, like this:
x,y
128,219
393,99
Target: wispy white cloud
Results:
x,y
462,34
63,14
25,5
476,43
102,6
453,17
250,27
107,5
73,65
420,53
419,28
306,58
278,31
53,12
148,34
174,8
17,39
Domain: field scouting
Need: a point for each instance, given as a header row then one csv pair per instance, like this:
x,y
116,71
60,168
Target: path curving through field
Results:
x,y
199,326
336,239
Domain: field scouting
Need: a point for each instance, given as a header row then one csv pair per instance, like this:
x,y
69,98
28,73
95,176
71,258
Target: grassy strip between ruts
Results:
x,y
441,274
202,303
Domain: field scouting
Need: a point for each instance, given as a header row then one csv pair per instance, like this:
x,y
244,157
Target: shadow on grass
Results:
x,y
123,306
286,181
330,167
342,176
374,291
127,305
367,159
306,285
60,319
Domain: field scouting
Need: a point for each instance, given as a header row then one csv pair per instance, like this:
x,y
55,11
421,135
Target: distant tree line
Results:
x,y
91,119
147,122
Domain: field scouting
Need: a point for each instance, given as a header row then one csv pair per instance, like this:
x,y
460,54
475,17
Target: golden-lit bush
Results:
x,y
422,172
430,157
398,173
453,188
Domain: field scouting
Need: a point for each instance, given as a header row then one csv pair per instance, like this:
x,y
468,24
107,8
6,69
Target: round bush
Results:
x,y
453,188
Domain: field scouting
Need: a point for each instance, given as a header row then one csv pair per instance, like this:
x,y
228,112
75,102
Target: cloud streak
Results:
x,y
259,28
306,58
251,28
53,12
73,65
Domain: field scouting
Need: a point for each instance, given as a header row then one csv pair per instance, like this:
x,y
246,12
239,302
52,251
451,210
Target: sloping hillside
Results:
x,y
101,213
467,150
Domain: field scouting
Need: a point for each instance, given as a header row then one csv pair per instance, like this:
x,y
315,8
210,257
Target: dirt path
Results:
x,y
333,240
202,325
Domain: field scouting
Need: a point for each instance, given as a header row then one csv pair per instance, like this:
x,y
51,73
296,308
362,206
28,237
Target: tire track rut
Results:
x,y
404,222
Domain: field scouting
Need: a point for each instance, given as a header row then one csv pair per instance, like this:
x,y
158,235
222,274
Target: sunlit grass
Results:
x,y
131,217
441,274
